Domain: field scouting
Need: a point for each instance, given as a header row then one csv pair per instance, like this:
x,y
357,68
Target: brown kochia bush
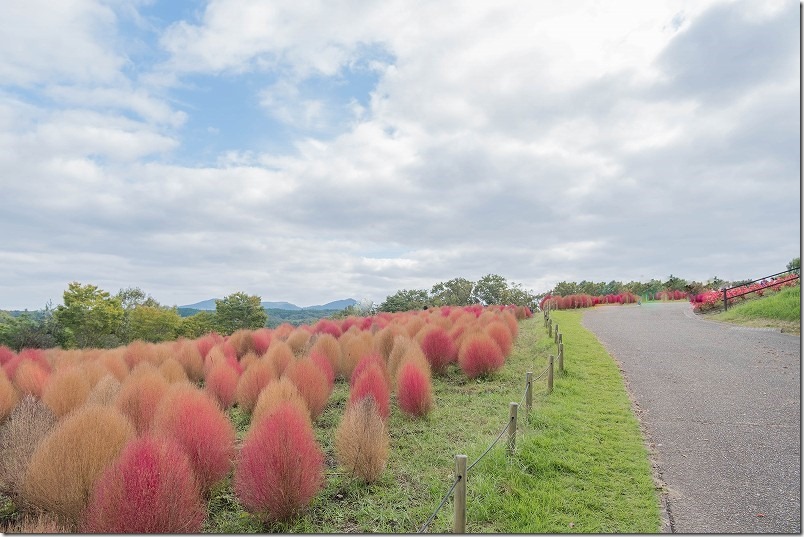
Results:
x,y
298,341
35,523
8,396
353,348
105,391
252,381
187,354
139,397
274,394
279,355
20,434
66,463
327,345
173,371
361,441
66,390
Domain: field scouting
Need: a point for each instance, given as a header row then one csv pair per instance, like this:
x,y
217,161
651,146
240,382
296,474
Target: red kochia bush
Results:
x,y
364,363
6,355
325,366
149,488
371,383
280,468
439,348
221,383
196,422
205,343
501,336
326,326
413,389
480,355
261,340
31,378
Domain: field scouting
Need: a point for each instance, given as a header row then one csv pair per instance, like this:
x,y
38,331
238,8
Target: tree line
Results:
x,y
92,317
488,290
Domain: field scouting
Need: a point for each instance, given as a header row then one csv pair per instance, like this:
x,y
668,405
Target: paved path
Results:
x,y
722,406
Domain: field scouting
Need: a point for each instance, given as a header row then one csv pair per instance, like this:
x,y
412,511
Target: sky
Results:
x,y
309,151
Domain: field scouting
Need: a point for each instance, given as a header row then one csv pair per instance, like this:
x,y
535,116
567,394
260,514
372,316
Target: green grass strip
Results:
x,y
579,460
781,310
581,465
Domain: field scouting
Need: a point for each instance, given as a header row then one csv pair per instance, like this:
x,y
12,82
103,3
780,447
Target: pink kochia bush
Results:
x,y
149,488
439,348
280,468
413,389
221,383
371,383
480,355
195,421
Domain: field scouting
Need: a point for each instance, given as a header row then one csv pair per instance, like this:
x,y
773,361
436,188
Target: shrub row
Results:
x,y
125,440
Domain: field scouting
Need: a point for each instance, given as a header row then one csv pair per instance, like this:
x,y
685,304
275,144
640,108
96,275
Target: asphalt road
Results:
x,y
721,408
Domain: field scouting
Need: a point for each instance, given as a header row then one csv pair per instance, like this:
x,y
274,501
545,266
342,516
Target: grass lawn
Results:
x,y
778,310
580,464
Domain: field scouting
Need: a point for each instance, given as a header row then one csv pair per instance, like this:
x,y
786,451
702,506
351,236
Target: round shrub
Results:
x,y
371,383
361,441
195,421
66,390
480,355
281,467
414,389
67,462
438,348
311,383
252,381
149,488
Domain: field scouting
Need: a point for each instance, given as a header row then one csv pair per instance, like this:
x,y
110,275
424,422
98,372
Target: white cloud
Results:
x,y
42,41
541,141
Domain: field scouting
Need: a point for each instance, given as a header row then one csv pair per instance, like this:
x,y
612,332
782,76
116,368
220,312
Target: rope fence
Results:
x,y
461,470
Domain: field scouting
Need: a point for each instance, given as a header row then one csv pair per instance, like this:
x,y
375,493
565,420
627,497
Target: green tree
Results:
x,y
131,299
90,317
240,310
794,264
197,325
455,292
517,296
491,289
153,323
406,300
675,283
565,289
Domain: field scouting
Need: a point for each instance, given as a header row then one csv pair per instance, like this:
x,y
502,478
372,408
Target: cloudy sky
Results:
x,y
310,151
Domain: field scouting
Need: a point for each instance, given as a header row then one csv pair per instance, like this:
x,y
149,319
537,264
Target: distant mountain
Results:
x,y
209,305
334,305
203,305
280,306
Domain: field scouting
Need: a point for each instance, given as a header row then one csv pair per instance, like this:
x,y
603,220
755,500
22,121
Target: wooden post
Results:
x,y
561,358
459,525
528,392
550,327
557,334
550,375
512,410
725,300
